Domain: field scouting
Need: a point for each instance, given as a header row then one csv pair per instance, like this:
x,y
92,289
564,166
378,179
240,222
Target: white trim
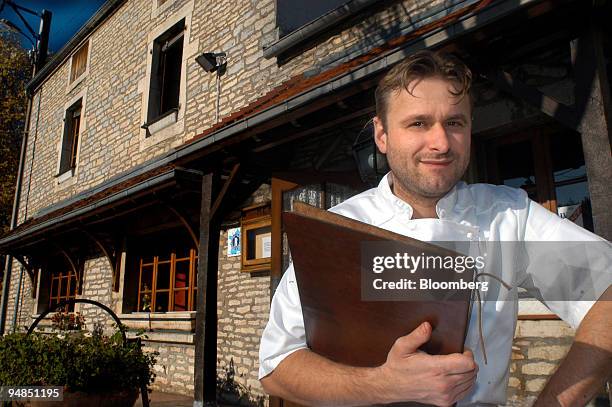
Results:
x,y
69,177
74,84
157,9
168,129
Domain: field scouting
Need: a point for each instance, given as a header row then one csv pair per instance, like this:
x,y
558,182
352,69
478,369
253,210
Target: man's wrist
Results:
x,y
376,386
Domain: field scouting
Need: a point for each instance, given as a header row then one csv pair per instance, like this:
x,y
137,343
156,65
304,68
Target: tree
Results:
x,y
15,71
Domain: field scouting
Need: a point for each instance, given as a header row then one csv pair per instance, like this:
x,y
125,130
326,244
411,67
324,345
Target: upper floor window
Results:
x,y
164,89
70,140
79,62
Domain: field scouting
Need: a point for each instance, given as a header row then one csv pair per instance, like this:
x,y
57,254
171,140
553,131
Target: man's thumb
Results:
x,y
411,342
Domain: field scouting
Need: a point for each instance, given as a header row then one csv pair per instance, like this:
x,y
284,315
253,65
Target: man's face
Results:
x,y
426,137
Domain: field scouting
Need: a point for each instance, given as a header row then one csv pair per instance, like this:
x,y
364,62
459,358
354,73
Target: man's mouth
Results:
x,y
437,163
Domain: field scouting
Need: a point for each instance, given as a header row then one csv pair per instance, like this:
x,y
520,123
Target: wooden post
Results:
x,y
205,363
593,106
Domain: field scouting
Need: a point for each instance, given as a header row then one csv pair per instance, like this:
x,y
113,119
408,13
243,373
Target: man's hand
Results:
x,y
407,375
416,376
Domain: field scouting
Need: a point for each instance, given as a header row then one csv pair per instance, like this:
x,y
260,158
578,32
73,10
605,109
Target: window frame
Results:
x,y
72,135
160,82
74,81
172,126
153,291
72,291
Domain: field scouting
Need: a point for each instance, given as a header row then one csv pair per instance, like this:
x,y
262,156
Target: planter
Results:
x,y
125,398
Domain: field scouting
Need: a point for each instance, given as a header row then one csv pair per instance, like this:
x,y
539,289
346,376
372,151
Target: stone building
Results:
x,y
163,126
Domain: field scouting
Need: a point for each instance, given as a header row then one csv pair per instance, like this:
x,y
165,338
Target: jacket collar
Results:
x,y
444,207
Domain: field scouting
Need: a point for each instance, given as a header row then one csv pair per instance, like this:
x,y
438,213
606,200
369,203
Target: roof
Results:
x,y
107,9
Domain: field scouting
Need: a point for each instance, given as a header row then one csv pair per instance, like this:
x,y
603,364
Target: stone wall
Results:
x,y
26,304
538,348
115,93
243,303
174,367
97,286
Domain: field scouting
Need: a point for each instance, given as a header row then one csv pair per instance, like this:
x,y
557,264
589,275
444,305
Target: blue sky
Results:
x,y
68,17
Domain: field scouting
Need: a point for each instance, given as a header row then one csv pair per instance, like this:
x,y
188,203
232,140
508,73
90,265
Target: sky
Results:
x,y
68,16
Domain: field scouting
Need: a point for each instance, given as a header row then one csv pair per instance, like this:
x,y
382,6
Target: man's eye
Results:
x,y
454,123
418,124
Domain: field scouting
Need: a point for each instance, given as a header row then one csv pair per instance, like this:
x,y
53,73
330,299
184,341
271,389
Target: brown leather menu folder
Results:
x,y
326,253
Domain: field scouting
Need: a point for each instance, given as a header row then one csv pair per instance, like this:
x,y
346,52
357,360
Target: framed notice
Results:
x,y
256,238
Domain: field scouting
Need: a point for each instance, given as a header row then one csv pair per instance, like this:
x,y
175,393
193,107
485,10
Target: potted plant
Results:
x,y
94,370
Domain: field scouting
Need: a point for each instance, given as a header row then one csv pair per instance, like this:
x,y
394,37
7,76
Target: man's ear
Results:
x,y
380,135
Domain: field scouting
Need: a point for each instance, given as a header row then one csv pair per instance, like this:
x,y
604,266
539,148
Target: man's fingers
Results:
x,y
465,378
456,363
463,390
410,343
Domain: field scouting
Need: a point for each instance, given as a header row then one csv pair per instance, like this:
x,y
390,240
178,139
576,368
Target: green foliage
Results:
x,y
15,71
79,361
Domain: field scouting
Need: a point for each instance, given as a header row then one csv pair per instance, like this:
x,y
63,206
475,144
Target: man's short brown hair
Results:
x,y
421,65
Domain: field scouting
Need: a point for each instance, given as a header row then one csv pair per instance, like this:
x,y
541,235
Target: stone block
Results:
x,y
538,368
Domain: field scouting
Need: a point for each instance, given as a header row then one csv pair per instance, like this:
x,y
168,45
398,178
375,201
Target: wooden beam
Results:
x,y
221,196
547,105
592,94
205,364
185,221
314,130
31,269
108,253
74,264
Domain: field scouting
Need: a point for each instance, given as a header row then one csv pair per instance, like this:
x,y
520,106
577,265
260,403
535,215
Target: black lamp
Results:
x,y
372,164
212,61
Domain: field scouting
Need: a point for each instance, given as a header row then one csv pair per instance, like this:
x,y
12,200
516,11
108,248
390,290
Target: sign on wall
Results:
x,y
233,242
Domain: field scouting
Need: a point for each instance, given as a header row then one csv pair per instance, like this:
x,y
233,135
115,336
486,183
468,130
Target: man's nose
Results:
x,y
438,138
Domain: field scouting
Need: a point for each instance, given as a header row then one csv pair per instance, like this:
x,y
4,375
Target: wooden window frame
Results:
x,y
158,105
72,129
254,217
72,278
79,63
153,291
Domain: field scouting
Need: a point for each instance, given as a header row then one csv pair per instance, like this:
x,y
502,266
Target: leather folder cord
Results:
x,y
482,341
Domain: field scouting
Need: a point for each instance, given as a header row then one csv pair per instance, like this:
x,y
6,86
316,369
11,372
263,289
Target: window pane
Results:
x,y
181,274
163,276
146,279
180,300
259,243
517,173
65,286
161,302
145,302
54,287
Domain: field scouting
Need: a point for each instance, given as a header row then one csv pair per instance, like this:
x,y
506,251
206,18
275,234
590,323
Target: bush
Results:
x,y
91,363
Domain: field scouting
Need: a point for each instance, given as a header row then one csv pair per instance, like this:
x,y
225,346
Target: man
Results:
x,y
423,125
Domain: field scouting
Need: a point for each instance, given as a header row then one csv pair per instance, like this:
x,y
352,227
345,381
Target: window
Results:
x,y
79,62
167,281
63,287
70,140
166,73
